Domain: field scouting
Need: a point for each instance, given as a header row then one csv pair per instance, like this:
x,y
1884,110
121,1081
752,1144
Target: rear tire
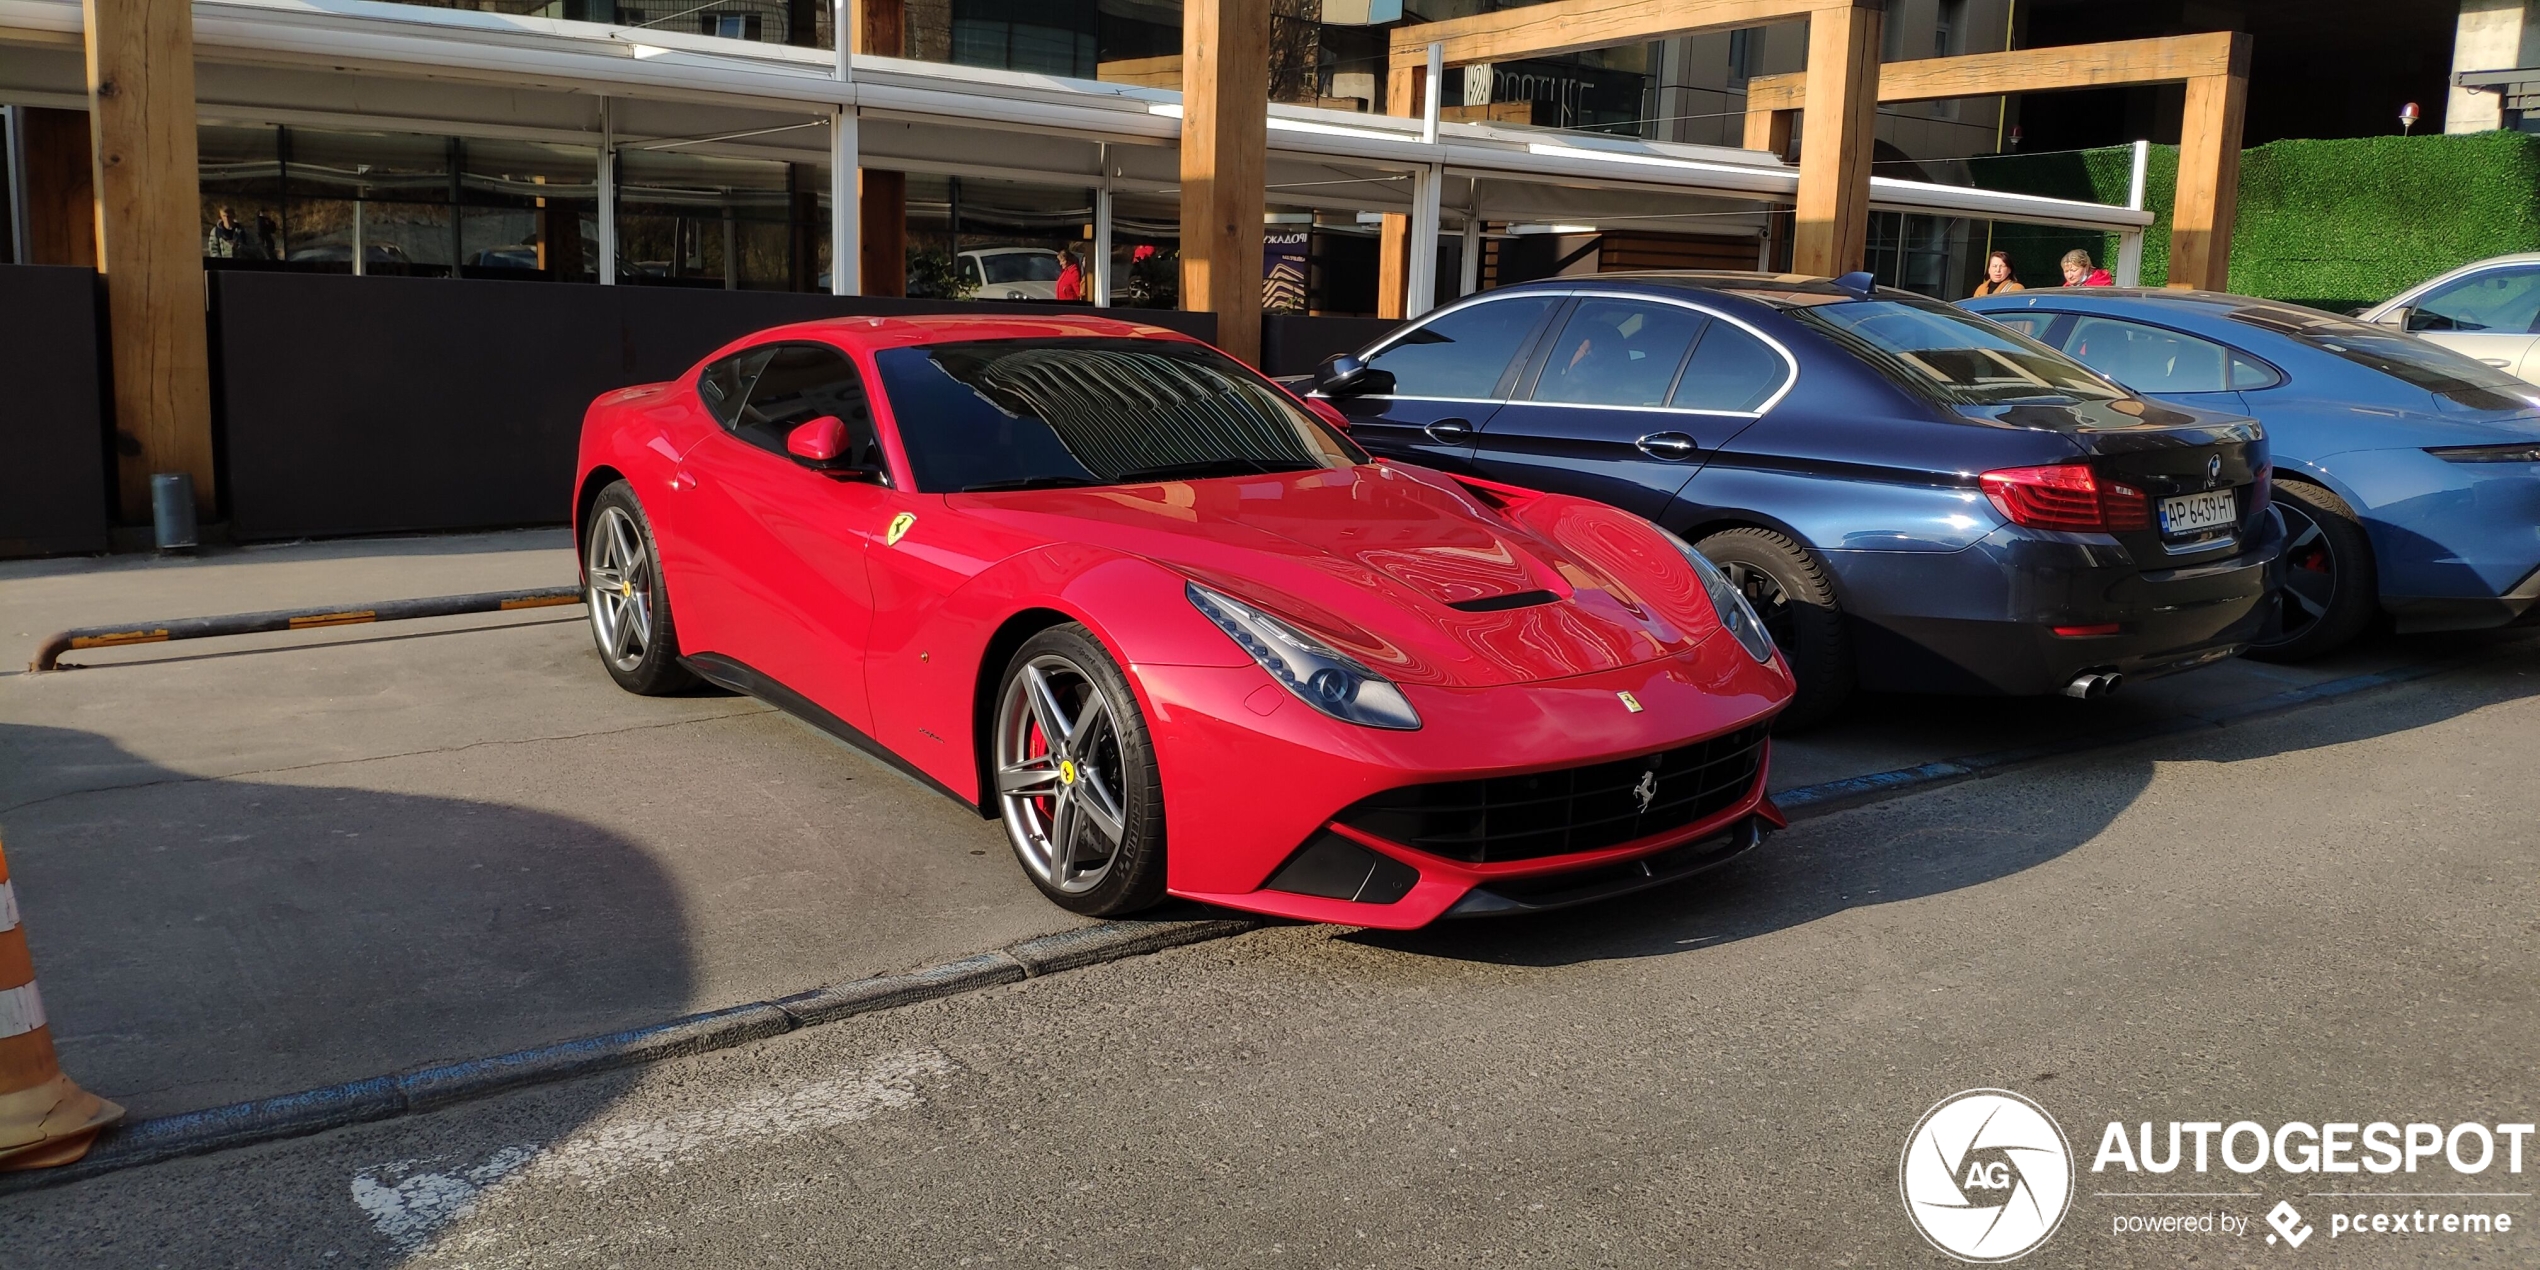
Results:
x,y
1073,771
630,608
1795,597
2331,589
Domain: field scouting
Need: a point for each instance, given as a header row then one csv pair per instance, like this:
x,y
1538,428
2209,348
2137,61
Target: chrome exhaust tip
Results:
x,y
2091,685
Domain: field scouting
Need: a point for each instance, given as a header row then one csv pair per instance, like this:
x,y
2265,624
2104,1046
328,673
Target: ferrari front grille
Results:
x,y
1540,814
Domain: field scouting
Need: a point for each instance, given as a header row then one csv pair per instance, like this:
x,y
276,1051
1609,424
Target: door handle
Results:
x,y
2497,361
1449,431
1673,446
682,479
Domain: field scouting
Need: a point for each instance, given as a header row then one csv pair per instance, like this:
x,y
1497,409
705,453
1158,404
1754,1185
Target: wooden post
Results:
x,y
2209,176
1832,230
150,240
881,28
1225,139
1770,130
1404,86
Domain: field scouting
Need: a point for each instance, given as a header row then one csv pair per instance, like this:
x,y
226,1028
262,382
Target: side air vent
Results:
x,y
1336,868
1497,603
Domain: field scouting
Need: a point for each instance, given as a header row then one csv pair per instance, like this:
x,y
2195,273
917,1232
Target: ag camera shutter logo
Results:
x,y
1986,1176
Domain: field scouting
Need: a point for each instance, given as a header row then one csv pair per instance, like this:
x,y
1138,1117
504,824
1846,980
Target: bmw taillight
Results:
x,y
2066,496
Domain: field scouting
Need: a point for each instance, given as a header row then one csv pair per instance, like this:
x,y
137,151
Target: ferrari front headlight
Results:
x,y
1729,603
1320,676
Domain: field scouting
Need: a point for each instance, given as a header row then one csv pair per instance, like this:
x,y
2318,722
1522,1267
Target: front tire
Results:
x,y
1075,777
1793,595
630,609
2331,589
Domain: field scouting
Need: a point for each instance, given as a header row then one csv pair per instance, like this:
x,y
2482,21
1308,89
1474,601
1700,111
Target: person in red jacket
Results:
x,y
2079,272
1071,277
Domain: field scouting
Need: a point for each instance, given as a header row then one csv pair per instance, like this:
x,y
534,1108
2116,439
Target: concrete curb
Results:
x,y
442,1084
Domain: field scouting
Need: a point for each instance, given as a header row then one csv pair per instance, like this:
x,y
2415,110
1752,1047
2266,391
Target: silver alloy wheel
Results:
x,y
1059,774
617,576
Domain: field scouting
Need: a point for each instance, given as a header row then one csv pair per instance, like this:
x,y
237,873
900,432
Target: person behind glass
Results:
x,y
1997,275
1070,288
2079,272
222,242
269,235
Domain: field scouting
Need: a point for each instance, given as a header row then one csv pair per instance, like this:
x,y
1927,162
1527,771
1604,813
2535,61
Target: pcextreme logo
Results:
x,y
1986,1176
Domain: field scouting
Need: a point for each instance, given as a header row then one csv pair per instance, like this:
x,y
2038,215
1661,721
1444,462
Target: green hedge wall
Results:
x,y
2335,224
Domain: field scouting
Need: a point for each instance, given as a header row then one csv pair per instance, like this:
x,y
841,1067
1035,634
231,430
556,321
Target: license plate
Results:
x,y
2195,513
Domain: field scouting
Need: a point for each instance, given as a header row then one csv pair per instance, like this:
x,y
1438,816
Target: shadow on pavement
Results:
x,y
1817,870
205,941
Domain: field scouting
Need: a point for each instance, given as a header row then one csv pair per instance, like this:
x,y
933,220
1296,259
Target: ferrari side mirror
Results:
x,y
821,445
1343,375
818,442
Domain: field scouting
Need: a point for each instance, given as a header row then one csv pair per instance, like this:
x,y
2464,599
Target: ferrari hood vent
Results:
x,y
1502,603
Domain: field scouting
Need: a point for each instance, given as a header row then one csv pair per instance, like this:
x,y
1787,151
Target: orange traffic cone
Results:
x,y
44,1119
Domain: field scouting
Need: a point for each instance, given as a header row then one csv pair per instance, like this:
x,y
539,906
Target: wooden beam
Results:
x,y
2168,60
881,29
1571,26
1225,139
1403,88
2208,180
1830,234
150,240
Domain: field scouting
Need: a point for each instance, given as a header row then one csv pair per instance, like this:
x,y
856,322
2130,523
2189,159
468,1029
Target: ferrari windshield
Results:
x,y
1050,413
1952,356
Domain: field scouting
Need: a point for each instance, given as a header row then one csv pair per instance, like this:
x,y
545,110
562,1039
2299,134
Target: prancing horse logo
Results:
x,y
1646,791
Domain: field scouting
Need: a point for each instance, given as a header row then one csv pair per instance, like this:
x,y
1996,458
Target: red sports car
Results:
x,y
1105,583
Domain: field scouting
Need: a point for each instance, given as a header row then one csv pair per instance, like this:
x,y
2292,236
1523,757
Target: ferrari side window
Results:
x,y
726,383
800,383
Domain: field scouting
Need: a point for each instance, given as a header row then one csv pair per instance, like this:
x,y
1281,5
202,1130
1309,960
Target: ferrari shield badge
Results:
x,y
899,528
1630,702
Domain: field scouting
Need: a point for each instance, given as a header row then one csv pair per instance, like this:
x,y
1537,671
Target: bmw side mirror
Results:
x,y
1343,375
821,445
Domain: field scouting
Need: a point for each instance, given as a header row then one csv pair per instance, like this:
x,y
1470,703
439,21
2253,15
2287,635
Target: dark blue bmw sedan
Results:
x,y
1915,499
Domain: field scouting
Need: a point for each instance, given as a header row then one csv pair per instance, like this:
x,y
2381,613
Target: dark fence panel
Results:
x,y
371,405
377,405
1293,344
53,475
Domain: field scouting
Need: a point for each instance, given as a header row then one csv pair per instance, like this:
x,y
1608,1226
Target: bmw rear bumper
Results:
x,y
1986,619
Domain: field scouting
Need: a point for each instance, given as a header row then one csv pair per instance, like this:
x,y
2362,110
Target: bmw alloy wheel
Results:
x,y
1772,604
1059,775
618,587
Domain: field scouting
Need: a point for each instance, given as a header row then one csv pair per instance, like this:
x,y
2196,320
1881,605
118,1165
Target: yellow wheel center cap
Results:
x,y
1066,772
626,588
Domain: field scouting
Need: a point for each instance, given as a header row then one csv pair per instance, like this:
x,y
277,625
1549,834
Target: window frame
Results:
x,y
1790,363
2416,304
1528,362
731,429
1507,386
2059,333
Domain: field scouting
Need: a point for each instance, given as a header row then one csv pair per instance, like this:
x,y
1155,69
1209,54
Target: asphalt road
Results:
x,y
2324,915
